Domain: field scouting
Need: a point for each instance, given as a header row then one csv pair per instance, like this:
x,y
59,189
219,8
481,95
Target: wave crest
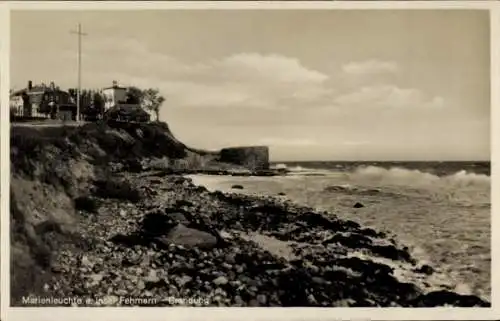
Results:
x,y
399,175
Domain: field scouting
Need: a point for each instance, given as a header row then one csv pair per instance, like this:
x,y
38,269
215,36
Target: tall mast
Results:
x,y
79,33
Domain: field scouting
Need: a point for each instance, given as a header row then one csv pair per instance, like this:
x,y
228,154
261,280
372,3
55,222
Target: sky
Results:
x,y
310,84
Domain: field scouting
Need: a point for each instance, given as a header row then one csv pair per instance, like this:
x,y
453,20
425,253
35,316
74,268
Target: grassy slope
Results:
x,y
52,166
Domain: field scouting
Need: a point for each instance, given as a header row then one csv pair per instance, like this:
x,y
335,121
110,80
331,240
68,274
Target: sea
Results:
x,y
440,210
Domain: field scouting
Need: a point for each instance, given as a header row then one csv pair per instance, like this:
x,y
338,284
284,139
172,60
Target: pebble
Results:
x,y
85,262
230,258
110,300
318,280
238,301
311,299
96,278
220,292
141,285
182,281
262,299
152,277
121,292
221,280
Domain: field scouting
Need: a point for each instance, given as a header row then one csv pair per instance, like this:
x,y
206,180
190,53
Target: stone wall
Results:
x,y
252,157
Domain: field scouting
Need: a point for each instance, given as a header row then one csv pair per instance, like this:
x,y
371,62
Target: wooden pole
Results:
x,y
79,33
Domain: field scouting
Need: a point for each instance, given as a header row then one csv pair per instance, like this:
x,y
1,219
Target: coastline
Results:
x,y
268,187
102,232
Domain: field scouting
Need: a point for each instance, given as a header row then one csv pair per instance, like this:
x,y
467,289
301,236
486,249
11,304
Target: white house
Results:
x,y
16,104
114,95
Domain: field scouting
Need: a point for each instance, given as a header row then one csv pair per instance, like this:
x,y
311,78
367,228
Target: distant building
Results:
x,y
120,104
114,95
43,101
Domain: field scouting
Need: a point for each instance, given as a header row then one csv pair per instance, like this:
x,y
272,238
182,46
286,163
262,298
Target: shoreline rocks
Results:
x,y
157,235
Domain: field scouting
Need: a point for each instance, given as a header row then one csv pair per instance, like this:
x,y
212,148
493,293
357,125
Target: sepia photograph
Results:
x,y
250,158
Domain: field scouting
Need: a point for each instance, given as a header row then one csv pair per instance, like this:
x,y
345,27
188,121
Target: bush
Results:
x,y
117,189
86,203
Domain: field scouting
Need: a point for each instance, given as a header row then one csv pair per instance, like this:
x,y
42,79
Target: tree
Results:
x,y
135,96
98,103
152,101
149,99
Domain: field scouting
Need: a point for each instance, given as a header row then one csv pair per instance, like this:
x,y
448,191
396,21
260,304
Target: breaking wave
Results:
x,y
294,169
403,176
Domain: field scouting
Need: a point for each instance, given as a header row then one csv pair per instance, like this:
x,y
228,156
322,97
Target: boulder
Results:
x,y
443,298
358,205
188,237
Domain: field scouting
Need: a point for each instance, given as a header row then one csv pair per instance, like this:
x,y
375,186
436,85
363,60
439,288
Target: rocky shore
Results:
x,y
81,228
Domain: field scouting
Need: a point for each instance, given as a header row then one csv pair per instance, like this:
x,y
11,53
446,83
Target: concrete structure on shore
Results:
x,y
252,157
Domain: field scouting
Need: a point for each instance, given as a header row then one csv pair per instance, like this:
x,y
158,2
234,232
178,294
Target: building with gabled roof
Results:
x,y
43,101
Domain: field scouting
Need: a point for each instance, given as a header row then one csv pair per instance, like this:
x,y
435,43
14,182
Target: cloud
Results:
x,y
241,80
388,96
369,67
247,80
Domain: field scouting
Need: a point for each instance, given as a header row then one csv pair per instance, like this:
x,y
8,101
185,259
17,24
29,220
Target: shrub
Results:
x,y
117,189
86,203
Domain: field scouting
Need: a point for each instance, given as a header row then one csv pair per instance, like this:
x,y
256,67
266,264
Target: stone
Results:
x,y
225,235
152,277
237,186
253,303
121,292
85,262
253,289
238,301
221,280
318,280
447,298
311,299
96,278
182,281
425,269
189,237
358,205
110,300
262,299
220,292
141,285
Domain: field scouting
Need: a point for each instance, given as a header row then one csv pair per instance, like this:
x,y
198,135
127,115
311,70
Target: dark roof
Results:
x,y
18,92
35,91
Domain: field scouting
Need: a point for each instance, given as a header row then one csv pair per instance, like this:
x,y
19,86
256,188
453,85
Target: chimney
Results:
x,y
30,85
115,83
52,85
